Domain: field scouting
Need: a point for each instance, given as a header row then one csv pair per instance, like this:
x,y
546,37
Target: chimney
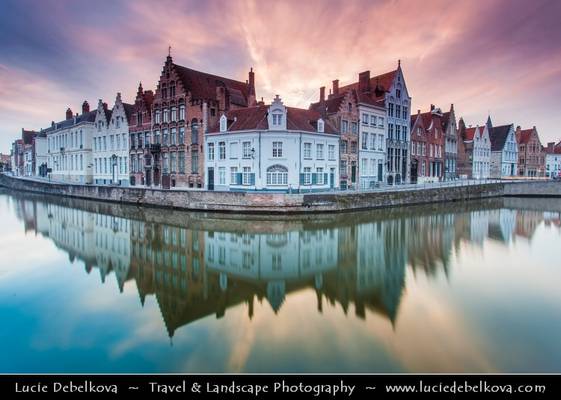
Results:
x,y
364,81
550,146
336,87
105,106
322,94
85,107
432,107
251,95
69,113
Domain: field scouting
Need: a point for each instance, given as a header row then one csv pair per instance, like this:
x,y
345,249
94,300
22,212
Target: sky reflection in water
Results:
x,y
96,287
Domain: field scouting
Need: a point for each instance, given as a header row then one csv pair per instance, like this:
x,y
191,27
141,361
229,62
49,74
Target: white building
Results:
x,y
479,145
553,160
111,143
69,147
504,150
372,143
274,148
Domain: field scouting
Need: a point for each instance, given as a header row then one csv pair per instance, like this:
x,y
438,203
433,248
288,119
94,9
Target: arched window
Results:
x,y
194,131
277,175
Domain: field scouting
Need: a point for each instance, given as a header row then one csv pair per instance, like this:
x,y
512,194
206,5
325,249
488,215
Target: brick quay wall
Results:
x,y
280,203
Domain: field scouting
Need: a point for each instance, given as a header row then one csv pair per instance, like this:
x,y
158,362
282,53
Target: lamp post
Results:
x,y
114,168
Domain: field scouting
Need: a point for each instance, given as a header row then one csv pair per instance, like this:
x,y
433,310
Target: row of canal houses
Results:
x,y
199,130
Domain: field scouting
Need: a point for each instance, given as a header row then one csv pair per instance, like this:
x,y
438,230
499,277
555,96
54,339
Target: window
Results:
x,y
390,109
246,149
181,162
364,141
364,119
390,131
246,176
319,151
319,174
397,110
277,175
353,147
165,137
166,162
222,175
195,161
182,112
344,126
343,147
398,93
363,167
331,151
277,149
307,150
354,128
173,114
277,119
321,126
397,132
181,139
405,116
194,131
173,136
233,175
222,150
307,176
173,162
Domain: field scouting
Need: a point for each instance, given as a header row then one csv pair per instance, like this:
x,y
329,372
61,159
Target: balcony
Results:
x,y
155,148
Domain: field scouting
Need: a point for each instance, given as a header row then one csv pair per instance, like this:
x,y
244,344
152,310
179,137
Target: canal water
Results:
x,y
97,287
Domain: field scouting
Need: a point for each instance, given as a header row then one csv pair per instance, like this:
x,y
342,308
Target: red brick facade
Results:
x,y
185,103
140,127
427,145
531,157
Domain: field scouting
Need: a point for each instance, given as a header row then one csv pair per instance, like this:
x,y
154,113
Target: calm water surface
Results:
x,y
96,287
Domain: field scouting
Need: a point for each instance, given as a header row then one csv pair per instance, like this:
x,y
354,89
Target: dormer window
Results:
x,y
223,123
277,119
321,125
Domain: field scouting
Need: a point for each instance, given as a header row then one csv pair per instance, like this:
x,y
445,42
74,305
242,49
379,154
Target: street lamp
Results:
x,y
114,169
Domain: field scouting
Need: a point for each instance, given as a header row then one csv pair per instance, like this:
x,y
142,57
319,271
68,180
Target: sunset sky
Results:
x,y
497,56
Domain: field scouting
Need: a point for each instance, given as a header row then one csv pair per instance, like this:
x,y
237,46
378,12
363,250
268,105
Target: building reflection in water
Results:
x,y
198,265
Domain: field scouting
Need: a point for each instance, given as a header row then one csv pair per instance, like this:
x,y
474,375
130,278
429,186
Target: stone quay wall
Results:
x,y
281,203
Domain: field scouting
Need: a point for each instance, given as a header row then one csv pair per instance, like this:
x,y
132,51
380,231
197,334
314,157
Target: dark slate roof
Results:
x,y
87,117
498,136
255,118
203,86
330,105
129,110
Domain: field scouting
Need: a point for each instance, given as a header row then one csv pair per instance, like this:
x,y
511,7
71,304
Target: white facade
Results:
x,y
372,146
553,165
111,145
275,159
28,161
504,162
69,148
41,155
481,166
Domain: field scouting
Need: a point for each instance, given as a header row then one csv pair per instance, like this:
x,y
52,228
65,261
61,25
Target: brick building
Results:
x,y
531,157
427,145
340,110
139,136
186,102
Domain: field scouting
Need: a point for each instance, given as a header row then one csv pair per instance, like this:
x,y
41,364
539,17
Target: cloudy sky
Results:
x,y
497,56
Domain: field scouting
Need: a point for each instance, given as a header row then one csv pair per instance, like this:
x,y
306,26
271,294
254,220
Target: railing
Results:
x,y
155,148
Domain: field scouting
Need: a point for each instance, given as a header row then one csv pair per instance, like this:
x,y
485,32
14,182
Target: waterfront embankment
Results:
x,y
282,203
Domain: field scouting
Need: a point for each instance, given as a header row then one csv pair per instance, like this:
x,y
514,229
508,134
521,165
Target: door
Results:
x,y
148,175
332,178
211,178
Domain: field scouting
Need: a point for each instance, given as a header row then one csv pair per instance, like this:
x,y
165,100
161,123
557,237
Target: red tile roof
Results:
x,y
203,85
470,133
255,118
384,82
524,136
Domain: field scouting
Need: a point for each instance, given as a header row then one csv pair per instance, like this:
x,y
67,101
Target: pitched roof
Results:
x,y
498,136
129,110
524,136
203,85
470,133
383,82
27,136
87,117
330,105
555,150
256,118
